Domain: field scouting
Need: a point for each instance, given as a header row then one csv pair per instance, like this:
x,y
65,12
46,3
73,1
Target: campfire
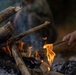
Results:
x,y
26,60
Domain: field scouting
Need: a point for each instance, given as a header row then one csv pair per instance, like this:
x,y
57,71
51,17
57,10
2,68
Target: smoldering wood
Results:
x,y
43,70
18,37
19,61
6,32
39,72
63,46
8,12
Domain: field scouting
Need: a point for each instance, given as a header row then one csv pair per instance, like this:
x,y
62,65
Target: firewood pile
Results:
x,y
37,67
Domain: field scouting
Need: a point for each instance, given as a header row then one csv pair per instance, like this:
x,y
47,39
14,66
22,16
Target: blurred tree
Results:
x,y
6,3
63,9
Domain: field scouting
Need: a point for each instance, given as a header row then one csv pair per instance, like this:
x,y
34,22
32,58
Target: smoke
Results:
x,y
25,20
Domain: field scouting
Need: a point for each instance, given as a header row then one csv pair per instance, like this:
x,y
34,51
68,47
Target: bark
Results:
x,y
63,46
18,37
19,61
8,12
39,72
6,32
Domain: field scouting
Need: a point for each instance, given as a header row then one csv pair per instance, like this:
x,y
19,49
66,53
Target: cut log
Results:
x,y
6,32
19,61
8,12
63,46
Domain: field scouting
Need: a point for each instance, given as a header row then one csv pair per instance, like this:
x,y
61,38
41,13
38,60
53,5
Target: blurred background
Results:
x,y
63,11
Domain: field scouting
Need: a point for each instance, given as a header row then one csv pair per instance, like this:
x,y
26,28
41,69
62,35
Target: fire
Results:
x,y
7,49
45,38
36,54
20,46
29,51
50,54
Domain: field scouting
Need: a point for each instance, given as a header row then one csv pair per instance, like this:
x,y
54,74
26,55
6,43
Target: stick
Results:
x,y
18,37
62,46
8,12
19,61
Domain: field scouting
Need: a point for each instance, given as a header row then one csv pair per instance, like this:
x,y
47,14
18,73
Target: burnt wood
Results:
x,y
19,61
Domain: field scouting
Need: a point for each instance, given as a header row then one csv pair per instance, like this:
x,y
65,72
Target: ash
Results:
x,y
67,68
4,72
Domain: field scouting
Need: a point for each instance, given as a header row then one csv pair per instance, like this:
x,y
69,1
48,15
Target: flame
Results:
x,y
50,54
36,54
48,68
29,51
45,38
7,48
20,46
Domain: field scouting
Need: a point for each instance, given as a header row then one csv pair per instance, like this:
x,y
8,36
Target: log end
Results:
x,y
17,8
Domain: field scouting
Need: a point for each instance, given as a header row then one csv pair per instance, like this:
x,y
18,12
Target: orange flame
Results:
x,y
30,51
7,48
20,46
36,54
50,54
45,38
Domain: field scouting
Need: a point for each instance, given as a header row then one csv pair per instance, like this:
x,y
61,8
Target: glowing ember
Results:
x,y
50,54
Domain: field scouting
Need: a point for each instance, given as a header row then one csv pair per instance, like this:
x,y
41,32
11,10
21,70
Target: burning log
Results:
x,y
18,37
19,61
62,46
43,70
8,12
6,32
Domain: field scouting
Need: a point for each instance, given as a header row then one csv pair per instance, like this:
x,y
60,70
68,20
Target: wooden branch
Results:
x,y
62,46
6,32
19,61
18,37
39,72
45,68
8,12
